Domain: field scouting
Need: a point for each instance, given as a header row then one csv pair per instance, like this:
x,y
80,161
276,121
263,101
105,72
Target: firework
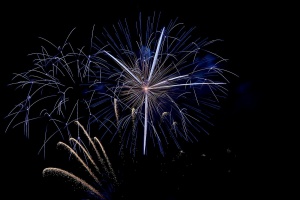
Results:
x,y
139,81
54,89
95,176
162,83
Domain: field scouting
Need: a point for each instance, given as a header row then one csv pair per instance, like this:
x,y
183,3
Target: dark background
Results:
x,y
235,161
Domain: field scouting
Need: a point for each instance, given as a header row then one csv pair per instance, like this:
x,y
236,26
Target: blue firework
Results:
x,y
53,90
161,84
143,83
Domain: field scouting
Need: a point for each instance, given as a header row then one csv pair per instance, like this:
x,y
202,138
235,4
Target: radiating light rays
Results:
x,y
147,84
159,70
94,174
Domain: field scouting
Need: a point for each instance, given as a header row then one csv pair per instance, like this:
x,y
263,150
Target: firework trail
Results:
x,y
96,175
138,82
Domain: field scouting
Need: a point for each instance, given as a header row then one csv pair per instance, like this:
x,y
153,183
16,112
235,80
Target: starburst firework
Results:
x,y
139,82
161,81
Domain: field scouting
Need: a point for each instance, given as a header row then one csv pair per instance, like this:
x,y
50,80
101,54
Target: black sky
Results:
x,y
233,162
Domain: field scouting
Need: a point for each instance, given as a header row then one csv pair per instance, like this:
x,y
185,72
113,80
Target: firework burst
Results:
x,y
139,82
94,176
161,82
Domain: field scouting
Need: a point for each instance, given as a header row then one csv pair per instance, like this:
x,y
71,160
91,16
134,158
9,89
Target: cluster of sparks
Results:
x,y
157,84
98,179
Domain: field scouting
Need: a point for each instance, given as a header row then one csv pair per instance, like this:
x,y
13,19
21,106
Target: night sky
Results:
x,y
233,161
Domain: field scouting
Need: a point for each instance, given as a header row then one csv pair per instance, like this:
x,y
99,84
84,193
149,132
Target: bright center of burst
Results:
x,y
145,88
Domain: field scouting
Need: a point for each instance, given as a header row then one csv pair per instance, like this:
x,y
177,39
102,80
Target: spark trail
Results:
x,y
103,180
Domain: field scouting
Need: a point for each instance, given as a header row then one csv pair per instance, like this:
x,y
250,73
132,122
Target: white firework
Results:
x,y
159,80
143,81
